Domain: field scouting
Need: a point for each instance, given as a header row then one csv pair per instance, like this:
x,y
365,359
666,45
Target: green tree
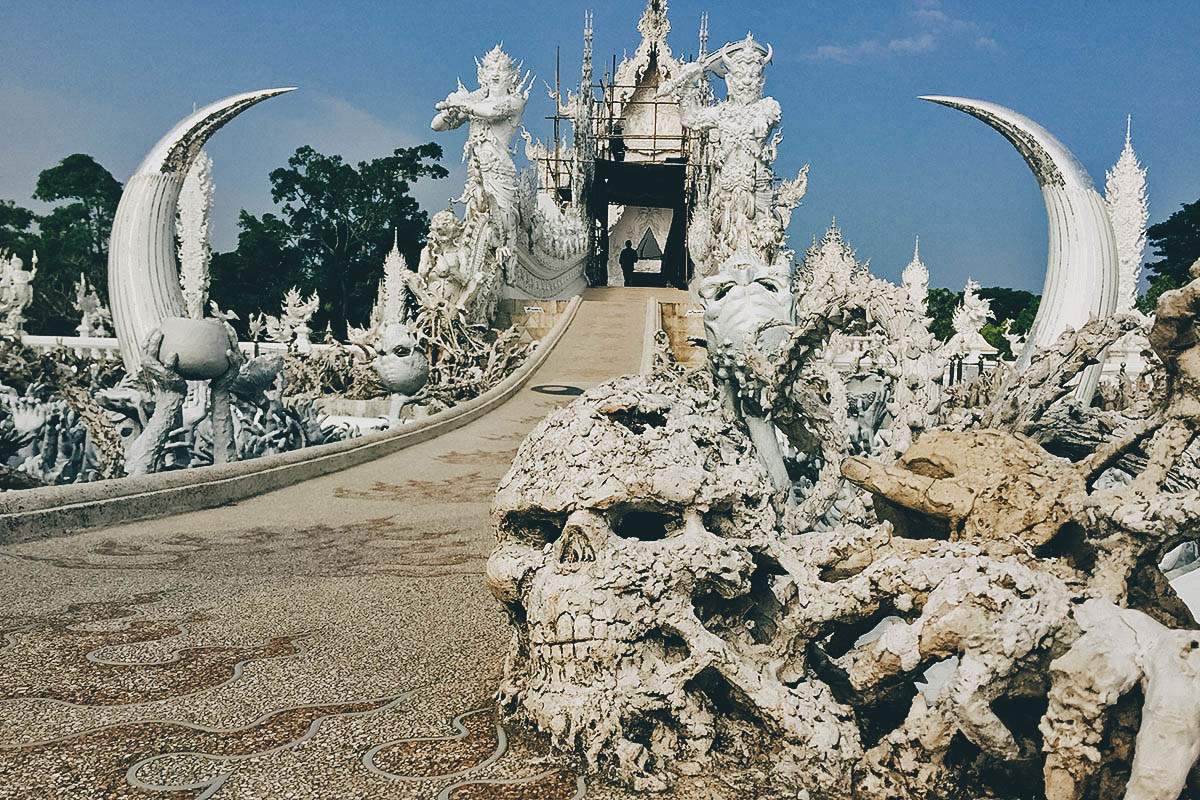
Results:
x,y
255,275
941,304
334,229
72,239
1176,242
1011,304
16,235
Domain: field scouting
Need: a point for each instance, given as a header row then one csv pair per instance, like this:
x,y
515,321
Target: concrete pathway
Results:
x,y
331,639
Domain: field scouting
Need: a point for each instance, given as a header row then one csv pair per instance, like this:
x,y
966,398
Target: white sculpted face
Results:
x,y
402,366
741,301
497,72
610,556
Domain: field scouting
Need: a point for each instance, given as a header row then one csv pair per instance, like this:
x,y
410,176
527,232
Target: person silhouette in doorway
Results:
x,y
628,259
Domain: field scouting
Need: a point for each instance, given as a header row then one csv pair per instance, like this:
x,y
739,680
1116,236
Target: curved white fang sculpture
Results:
x,y
1081,270
143,278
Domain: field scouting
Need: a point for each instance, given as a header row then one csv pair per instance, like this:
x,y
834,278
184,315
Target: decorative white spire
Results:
x,y
831,261
392,291
1125,193
654,25
703,36
192,225
916,278
588,34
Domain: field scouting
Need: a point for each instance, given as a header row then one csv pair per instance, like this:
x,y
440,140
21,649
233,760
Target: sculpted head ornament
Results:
x,y
444,223
742,67
497,68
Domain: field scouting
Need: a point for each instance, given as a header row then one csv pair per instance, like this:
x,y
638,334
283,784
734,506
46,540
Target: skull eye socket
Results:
x,y
768,284
645,526
536,530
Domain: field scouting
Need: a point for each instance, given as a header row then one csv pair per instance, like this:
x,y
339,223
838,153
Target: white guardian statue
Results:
x,y
745,209
489,230
16,293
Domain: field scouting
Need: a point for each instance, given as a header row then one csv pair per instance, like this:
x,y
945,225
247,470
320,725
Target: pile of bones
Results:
x,y
719,573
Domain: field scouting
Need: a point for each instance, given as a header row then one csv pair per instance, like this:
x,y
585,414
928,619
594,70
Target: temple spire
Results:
x,y
1125,194
588,34
916,278
654,27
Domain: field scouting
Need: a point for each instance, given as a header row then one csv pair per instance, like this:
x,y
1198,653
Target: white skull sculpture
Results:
x,y
634,559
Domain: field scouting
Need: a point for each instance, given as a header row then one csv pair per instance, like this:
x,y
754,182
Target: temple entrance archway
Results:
x,y
645,204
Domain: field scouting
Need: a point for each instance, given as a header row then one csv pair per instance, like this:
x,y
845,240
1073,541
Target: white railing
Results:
x,y
107,348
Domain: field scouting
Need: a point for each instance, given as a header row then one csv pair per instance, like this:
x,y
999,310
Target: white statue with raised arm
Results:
x,y
488,234
745,209
494,112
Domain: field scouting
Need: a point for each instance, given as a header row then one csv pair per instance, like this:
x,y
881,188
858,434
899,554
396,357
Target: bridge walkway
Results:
x,y
274,643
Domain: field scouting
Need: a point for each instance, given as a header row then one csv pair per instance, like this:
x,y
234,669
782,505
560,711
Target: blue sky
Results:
x,y
109,78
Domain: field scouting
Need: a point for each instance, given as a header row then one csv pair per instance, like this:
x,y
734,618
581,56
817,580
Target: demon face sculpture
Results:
x,y
748,304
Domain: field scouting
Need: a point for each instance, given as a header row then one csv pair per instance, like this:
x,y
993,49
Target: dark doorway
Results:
x,y
647,185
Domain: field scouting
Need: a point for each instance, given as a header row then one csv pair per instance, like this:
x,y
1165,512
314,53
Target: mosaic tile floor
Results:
x,y
331,639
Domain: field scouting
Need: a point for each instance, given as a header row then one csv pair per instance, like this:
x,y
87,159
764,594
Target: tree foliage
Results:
x,y
333,231
1015,305
70,239
16,235
1176,242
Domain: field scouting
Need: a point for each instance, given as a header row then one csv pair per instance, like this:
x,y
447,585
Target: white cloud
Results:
x,y
844,53
915,44
936,27
987,43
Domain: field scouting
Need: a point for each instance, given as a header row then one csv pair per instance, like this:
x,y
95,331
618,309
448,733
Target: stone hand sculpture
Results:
x,y
182,349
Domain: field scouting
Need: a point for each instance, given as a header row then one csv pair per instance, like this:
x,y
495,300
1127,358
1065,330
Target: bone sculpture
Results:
x,y
674,621
148,308
743,209
489,229
1082,273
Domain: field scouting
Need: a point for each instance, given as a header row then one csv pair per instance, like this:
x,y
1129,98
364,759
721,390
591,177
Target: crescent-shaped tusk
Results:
x,y
143,277
1081,268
